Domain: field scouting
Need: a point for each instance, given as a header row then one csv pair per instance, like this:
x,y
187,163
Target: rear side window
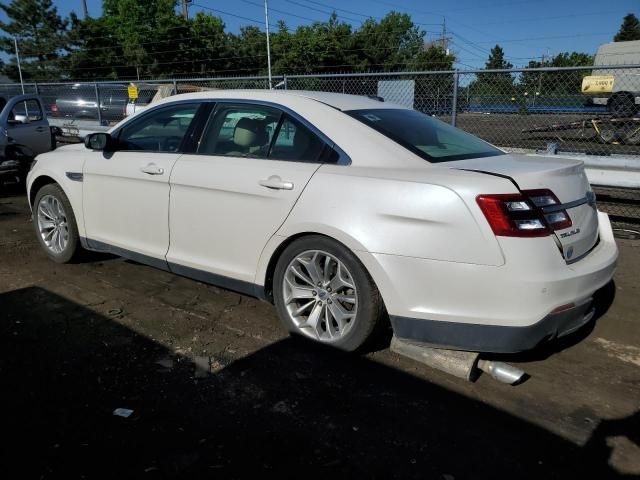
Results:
x,y
425,136
296,142
240,131
160,130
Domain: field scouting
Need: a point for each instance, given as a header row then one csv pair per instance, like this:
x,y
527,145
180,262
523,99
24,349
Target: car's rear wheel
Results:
x,y
323,293
55,223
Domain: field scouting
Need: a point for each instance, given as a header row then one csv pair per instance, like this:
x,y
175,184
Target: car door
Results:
x,y
231,196
126,191
27,124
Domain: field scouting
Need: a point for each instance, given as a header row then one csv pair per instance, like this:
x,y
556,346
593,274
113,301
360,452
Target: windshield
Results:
x,y
428,137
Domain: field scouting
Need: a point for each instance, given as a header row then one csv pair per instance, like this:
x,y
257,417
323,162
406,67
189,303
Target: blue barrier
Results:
x,y
536,109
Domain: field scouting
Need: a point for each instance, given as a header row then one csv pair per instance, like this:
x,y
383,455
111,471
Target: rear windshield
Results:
x,y
428,137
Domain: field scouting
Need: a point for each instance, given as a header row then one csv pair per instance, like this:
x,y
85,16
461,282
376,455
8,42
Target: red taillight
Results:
x,y
523,214
54,108
557,219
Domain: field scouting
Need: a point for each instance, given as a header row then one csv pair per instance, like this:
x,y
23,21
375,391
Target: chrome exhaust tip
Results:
x,y
503,372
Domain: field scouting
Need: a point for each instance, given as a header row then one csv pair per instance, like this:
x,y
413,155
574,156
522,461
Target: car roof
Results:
x,y
339,101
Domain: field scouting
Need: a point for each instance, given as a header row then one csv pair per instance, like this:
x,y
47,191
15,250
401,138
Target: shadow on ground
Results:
x,y
286,411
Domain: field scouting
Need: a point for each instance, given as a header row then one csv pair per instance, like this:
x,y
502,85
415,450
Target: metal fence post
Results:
x,y
284,79
98,103
37,89
175,86
454,101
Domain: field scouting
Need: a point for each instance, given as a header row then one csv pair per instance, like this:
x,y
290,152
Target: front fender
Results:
x,y
70,184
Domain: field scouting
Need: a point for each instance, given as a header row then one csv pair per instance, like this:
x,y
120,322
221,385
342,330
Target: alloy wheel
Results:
x,y
320,296
52,224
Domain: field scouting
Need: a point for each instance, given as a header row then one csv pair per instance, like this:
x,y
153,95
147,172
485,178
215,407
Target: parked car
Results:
x,y
344,211
80,102
24,133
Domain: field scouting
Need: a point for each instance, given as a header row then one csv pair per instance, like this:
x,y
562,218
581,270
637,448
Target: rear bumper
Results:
x,y
504,308
493,338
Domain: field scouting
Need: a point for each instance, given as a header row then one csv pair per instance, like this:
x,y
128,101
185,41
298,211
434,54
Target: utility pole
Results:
x,y
185,10
84,9
266,23
445,47
15,44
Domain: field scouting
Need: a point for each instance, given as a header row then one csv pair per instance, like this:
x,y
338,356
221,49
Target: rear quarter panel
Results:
x,y
415,213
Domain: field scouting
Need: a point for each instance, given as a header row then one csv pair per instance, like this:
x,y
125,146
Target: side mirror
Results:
x,y
98,141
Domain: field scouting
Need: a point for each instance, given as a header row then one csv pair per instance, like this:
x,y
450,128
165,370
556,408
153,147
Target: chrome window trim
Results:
x,y
343,158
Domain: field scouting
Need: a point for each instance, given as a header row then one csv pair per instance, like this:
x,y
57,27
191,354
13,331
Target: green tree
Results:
x,y
394,43
42,36
629,30
143,27
566,82
198,47
497,61
496,86
96,52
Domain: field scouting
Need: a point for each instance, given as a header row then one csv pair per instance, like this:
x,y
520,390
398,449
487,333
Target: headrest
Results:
x,y
249,133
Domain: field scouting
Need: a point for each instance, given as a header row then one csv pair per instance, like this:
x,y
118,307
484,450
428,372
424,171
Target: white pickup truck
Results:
x,y
24,133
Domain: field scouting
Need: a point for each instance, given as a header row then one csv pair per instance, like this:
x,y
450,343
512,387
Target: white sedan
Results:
x,y
344,211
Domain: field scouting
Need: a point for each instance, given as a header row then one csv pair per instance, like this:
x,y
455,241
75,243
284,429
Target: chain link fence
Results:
x,y
583,110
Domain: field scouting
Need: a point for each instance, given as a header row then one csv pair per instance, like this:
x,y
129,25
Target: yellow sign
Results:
x,y
133,90
597,84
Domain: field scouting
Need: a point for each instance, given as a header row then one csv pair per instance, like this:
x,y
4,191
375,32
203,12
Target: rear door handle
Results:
x,y
276,183
40,129
152,169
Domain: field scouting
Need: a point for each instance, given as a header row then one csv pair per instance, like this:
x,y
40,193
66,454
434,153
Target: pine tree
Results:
x,y
629,30
42,36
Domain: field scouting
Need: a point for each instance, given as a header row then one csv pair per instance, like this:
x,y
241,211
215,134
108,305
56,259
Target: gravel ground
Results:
x,y
218,389
505,130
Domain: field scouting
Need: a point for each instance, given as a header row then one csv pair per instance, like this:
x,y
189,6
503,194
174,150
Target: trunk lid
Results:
x,y
565,178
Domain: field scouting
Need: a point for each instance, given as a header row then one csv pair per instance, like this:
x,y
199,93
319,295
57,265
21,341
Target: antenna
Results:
x,y
15,44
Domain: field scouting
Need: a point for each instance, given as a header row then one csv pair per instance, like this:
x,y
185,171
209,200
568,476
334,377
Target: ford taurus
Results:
x,y
344,211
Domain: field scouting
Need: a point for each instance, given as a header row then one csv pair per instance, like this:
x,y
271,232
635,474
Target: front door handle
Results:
x,y
152,169
276,183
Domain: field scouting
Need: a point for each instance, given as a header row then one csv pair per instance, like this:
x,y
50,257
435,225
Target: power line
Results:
x,y
576,35
323,11
352,12
198,37
216,10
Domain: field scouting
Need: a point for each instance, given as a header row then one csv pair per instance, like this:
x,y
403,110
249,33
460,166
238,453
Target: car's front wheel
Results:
x,y
323,292
55,223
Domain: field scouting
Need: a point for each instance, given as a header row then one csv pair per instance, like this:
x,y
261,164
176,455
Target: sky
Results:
x,y
526,29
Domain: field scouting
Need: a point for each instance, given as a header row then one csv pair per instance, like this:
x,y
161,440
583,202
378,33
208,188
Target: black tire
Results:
x,y
371,314
631,133
622,106
608,133
72,247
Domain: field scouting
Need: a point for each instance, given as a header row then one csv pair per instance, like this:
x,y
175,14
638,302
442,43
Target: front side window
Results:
x,y
161,130
240,131
29,109
427,137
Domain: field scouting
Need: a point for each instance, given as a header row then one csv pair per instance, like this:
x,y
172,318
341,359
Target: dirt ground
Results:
x,y
218,389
